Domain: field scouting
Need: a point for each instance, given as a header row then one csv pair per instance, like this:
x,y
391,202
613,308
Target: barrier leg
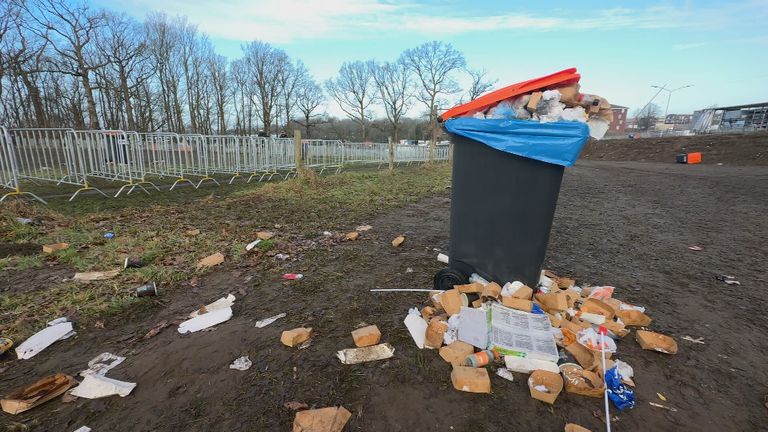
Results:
x,y
207,178
86,188
18,193
182,179
234,177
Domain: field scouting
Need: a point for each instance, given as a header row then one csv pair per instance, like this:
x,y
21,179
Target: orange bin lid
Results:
x,y
559,79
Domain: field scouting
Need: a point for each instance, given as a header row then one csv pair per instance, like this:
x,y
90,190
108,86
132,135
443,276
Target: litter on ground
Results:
x,y
267,321
242,363
97,386
101,364
95,276
36,394
57,330
366,354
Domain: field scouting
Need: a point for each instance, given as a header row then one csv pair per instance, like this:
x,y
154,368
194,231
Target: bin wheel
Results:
x,y
446,278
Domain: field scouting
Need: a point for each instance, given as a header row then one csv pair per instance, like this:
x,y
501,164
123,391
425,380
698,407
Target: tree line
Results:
x,y
65,64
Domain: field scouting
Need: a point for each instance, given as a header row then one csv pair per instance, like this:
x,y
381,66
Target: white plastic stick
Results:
x,y
607,414
403,290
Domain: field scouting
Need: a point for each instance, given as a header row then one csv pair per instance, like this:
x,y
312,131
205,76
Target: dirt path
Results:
x,y
624,224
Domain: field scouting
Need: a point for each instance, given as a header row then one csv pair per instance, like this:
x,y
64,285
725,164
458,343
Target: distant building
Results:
x,y
737,118
678,119
619,123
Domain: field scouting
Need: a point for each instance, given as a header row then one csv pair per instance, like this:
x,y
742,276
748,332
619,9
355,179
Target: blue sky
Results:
x,y
620,48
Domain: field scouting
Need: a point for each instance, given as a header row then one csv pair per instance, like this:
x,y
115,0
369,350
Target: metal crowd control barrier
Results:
x,y
365,153
168,155
224,154
323,154
257,158
46,155
9,168
112,155
198,159
66,156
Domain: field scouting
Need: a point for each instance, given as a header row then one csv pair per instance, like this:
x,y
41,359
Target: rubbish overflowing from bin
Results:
x,y
556,333
554,98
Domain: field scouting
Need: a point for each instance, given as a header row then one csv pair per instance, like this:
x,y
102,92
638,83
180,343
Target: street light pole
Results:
x,y
669,95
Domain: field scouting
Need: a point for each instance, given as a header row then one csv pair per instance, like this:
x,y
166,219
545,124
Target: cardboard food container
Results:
x,y
634,317
491,291
545,386
516,303
36,394
596,306
587,358
553,302
580,381
656,342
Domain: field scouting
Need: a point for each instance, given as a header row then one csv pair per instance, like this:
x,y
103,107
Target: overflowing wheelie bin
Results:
x,y
506,181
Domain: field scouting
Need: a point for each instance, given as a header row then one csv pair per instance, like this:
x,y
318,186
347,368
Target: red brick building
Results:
x,y
619,123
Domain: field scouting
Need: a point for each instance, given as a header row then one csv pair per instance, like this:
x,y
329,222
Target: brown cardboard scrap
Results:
x,y
296,336
545,385
211,260
656,342
469,379
456,352
51,248
366,336
331,419
36,394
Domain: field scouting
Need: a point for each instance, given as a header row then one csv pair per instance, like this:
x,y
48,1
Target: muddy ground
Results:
x,y
625,224
736,149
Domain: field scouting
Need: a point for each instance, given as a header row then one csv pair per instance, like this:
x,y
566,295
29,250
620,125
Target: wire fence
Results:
x,y
134,160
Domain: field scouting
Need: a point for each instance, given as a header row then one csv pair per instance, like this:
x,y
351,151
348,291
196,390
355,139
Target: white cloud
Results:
x,y
285,21
687,46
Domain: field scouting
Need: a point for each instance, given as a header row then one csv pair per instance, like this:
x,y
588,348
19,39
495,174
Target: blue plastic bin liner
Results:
x,y
557,143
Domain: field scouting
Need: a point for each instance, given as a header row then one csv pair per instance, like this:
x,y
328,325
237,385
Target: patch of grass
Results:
x,y
153,227
28,262
19,232
266,245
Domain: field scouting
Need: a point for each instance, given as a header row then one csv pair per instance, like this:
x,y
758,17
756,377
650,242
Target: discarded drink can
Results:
x,y
5,344
480,359
292,276
148,290
133,262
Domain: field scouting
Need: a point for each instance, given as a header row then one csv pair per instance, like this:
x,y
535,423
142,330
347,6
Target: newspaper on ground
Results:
x,y
522,334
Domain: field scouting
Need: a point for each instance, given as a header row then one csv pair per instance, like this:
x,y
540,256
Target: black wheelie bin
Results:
x,y
506,181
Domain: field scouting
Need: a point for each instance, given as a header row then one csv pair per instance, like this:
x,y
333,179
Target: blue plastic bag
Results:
x,y
622,396
557,143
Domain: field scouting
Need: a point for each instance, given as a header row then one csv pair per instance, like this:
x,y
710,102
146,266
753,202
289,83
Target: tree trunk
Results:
x,y
34,97
297,156
93,117
127,100
391,154
433,127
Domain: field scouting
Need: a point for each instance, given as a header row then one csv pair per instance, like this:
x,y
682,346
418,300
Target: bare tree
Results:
x,y
310,97
21,58
264,65
393,80
433,64
162,40
217,65
480,83
354,92
128,58
290,81
647,116
70,30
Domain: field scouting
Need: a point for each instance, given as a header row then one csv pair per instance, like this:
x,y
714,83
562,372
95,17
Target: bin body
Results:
x,y
502,207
